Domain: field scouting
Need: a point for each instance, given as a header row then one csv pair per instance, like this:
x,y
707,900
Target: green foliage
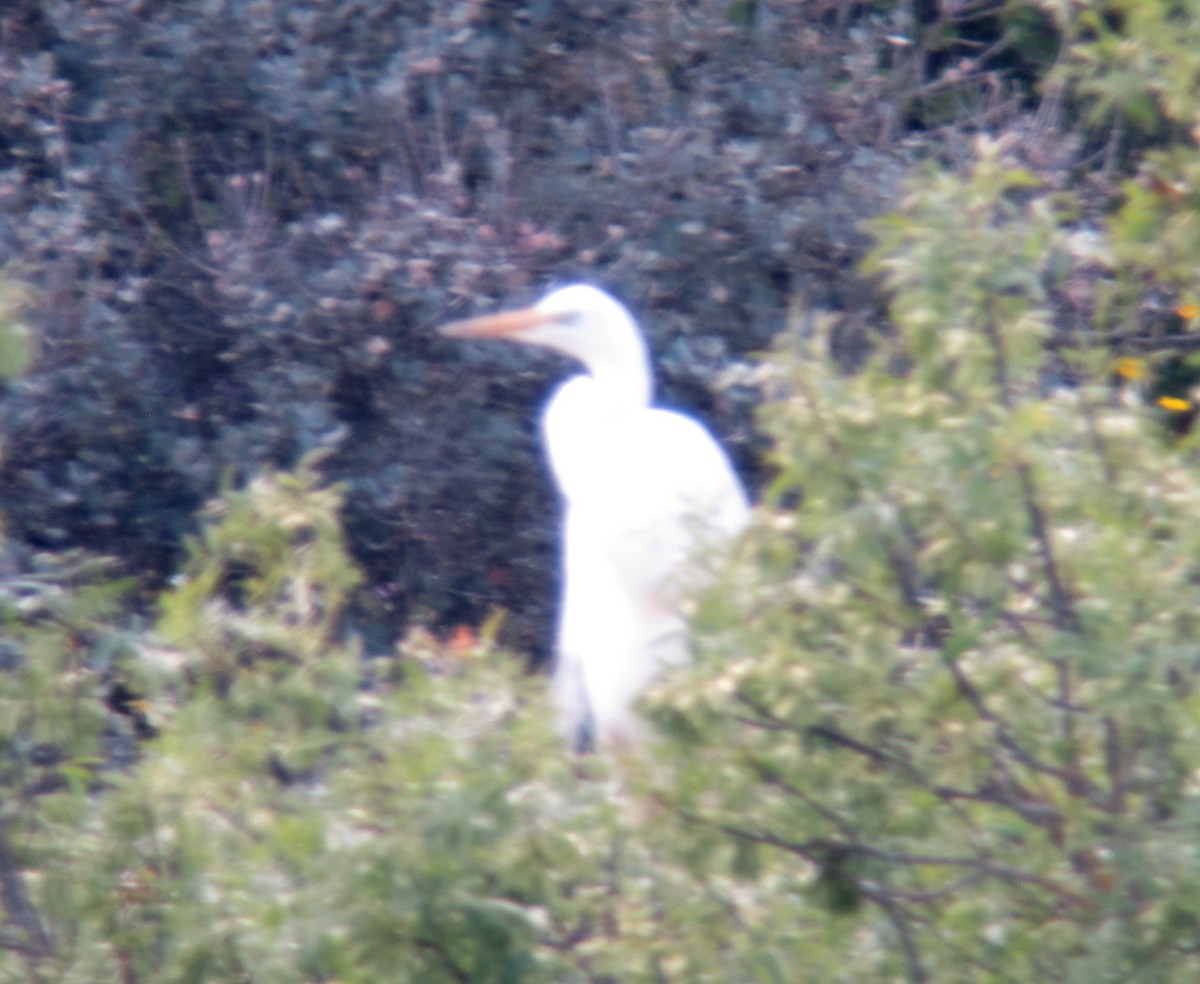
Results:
x,y
1135,60
396,833
955,707
289,819
1156,232
942,724
16,343
298,814
58,660
269,574
1138,65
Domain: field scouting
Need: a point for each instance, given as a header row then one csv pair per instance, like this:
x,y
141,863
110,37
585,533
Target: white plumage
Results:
x,y
644,489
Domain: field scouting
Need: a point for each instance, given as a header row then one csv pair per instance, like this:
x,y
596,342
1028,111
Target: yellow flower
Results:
x,y
1174,403
1130,368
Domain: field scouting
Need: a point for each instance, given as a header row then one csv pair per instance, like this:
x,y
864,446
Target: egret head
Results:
x,y
580,321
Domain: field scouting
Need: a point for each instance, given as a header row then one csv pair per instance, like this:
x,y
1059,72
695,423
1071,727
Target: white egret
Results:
x,y
644,488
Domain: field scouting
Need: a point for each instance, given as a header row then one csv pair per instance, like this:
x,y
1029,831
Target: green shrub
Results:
x,y
941,725
953,703
1135,70
62,671
295,813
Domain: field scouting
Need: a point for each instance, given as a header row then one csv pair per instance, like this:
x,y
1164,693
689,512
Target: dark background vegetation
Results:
x,y
243,222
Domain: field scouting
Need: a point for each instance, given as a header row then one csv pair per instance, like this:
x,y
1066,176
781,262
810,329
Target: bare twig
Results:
x,y
444,958
1061,603
16,901
1025,804
773,778
1060,599
899,921
936,895
818,850
1113,765
1075,781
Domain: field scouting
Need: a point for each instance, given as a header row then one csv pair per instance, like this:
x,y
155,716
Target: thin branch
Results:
x,y
1060,599
1001,359
937,894
1018,624
19,945
1075,781
839,738
843,740
905,571
21,911
1014,876
818,850
916,971
1113,765
455,971
773,778
1133,340
882,604
1099,444
947,794
1061,603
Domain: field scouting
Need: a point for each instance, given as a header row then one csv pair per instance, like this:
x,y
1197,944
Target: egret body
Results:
x,y
643,488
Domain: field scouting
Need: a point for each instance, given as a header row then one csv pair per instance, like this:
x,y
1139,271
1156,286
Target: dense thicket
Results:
x,y
942,724
244,220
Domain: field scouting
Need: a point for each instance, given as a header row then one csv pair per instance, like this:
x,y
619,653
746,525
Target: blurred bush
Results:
x,y
948,696
942,724
243,221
